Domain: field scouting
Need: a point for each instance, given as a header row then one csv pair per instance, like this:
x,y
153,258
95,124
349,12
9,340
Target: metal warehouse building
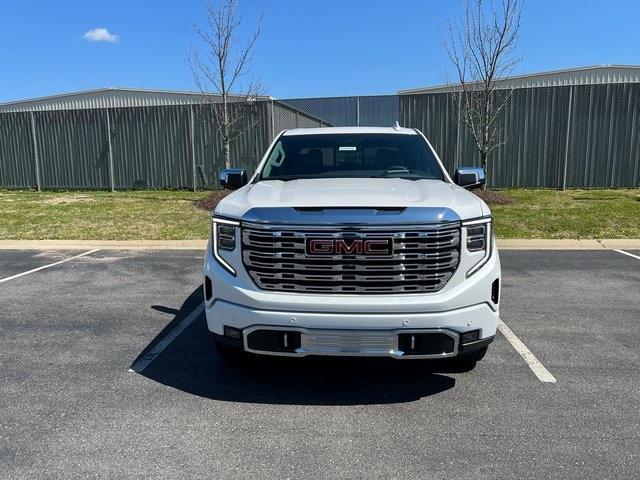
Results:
x,y
567,128
122,138
564,129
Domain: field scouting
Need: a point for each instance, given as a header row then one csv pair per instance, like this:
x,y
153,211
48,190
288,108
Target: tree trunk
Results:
x,y
227,152
484,157
225,130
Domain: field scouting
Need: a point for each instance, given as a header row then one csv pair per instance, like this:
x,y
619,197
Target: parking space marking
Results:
x,y
152,354
627,253
534,364
6,279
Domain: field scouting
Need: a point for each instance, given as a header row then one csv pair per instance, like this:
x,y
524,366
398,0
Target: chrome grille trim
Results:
x,y
425,258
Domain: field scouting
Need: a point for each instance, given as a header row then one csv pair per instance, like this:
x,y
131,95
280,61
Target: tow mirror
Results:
x,y
470,177
233,178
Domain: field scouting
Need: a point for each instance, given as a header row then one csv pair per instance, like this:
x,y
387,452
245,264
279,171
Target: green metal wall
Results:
x,y
570,136
72,149
151,147
247,148
579,136
17,160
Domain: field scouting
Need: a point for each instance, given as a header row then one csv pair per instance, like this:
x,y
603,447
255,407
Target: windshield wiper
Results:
x,y
282,179
400,169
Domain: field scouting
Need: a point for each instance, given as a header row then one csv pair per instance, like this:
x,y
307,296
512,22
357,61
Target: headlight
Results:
x,y
478,240
223,238
226,235
476,237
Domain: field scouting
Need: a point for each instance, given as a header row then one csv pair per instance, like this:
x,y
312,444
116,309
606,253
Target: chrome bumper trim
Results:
x,y
351,343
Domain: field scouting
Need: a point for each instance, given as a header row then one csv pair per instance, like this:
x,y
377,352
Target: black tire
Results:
x,y
230,355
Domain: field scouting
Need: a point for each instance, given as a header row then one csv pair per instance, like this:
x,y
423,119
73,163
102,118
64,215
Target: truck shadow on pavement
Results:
x,y
191,364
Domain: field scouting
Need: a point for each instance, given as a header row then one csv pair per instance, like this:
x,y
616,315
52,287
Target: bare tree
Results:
x,y
220,70
482,48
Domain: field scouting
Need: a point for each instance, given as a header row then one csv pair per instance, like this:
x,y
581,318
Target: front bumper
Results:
x,y
354,325
346,334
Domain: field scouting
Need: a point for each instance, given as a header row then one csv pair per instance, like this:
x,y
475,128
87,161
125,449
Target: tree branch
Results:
x,y
481,48
219,67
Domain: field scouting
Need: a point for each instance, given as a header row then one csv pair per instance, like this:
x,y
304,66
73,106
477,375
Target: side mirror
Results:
x,y
470,177
233,178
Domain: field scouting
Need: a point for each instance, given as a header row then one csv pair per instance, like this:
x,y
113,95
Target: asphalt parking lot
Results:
x,y
70,405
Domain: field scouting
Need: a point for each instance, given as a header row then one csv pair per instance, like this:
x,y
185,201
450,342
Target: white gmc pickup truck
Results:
x,y
352,242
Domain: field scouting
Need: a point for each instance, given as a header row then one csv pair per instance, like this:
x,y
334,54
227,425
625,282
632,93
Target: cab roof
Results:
x,y
348,130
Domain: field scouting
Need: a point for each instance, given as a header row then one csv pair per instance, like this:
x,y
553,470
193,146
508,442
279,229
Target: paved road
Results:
x,y
70,407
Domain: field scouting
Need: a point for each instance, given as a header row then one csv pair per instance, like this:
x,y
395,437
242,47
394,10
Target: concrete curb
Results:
x,y
622,243
567,244
548,244
503,244
103,244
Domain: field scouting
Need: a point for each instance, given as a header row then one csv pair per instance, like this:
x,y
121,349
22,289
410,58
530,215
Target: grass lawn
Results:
x,y
143,215
569,214
173,215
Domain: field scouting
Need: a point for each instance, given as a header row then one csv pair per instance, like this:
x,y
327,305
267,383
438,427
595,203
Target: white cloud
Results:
x,y
100,35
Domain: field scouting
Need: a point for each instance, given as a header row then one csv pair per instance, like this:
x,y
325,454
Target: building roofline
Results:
x,y
549,73
115,89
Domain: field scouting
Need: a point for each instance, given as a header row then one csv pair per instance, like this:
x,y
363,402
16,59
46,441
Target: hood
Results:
x,y
352,192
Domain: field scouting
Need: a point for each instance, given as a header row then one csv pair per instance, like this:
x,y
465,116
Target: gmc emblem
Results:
x,y
349,246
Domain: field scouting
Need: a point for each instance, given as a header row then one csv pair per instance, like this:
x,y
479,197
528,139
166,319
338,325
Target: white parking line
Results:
x,y
6,279
151,355
627,253
534,364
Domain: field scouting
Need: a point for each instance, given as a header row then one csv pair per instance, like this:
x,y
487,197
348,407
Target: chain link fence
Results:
x,y
133,147
581,136
369,111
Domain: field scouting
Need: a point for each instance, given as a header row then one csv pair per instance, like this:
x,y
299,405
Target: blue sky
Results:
x,y
308,48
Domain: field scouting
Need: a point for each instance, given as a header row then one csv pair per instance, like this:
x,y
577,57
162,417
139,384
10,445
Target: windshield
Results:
x,y
372,155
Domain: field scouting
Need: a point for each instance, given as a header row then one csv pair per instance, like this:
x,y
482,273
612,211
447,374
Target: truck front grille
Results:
x,y
424,258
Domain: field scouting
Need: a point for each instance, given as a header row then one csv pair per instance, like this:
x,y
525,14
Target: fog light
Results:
x,y
429,343
288,341
231,332
469,337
